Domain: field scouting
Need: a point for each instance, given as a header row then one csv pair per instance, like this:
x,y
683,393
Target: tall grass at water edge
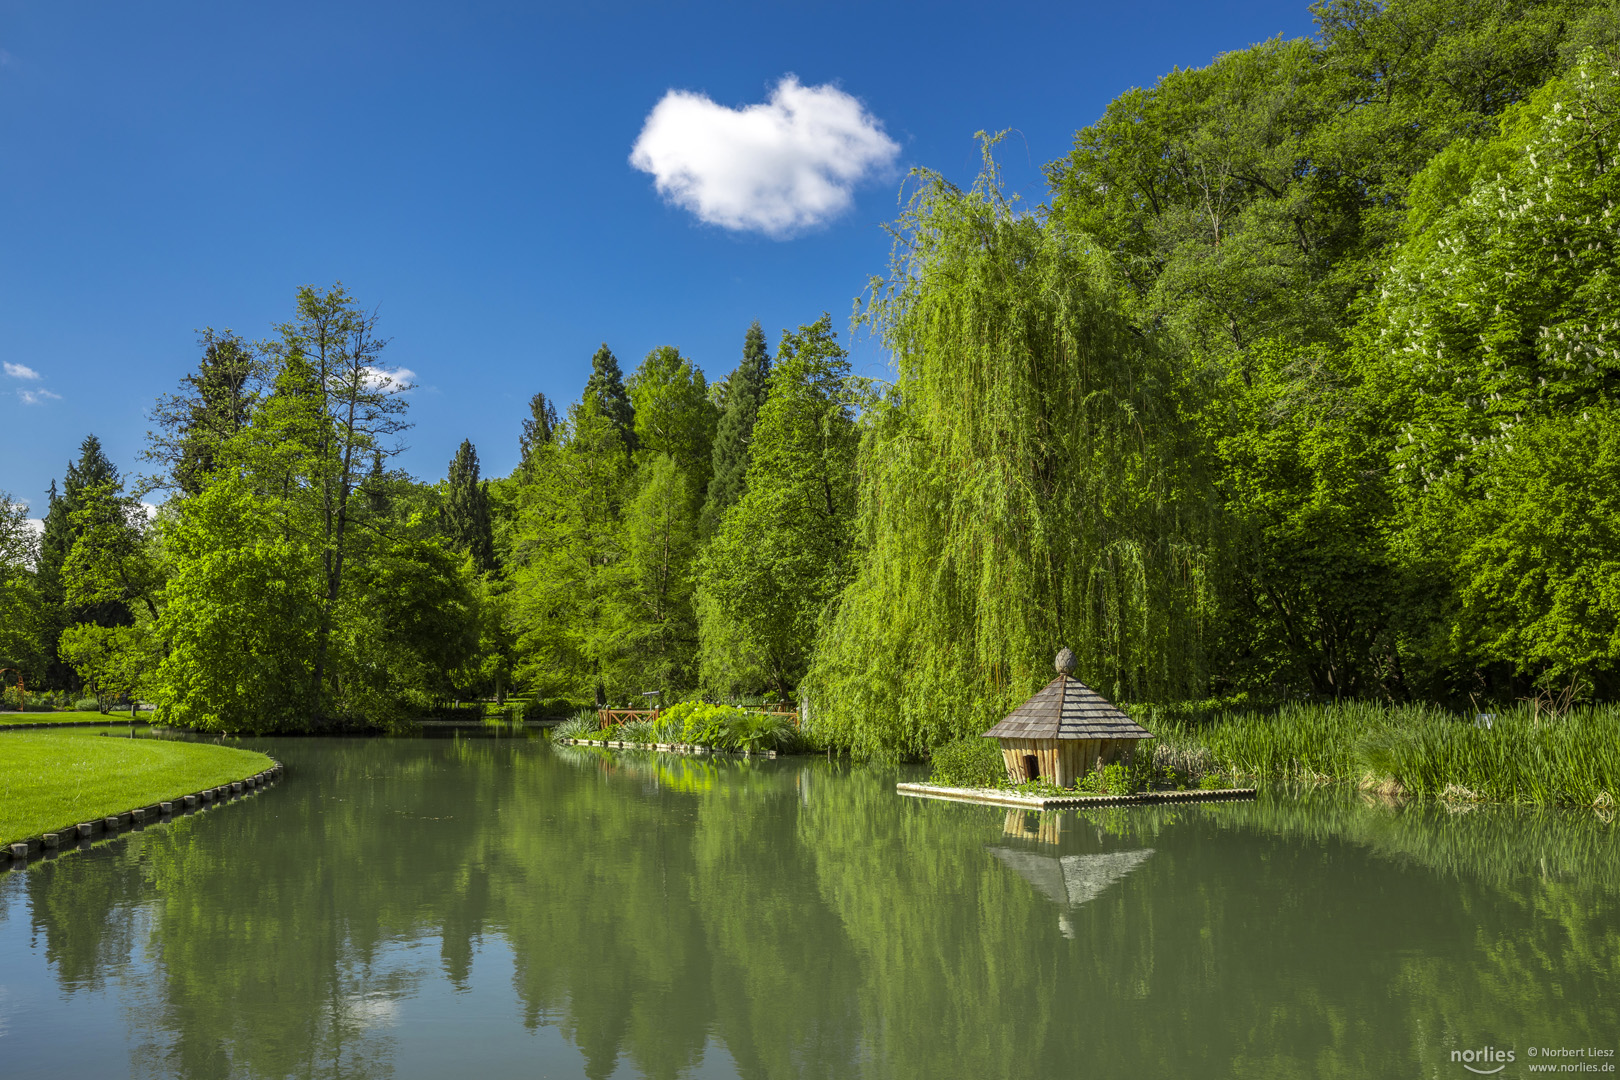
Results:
x,y
1522,757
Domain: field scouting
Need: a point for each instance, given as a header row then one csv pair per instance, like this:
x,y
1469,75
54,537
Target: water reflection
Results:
x,y
399,904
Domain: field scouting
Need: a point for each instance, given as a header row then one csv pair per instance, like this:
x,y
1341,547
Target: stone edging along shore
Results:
x,y
668,748
80,835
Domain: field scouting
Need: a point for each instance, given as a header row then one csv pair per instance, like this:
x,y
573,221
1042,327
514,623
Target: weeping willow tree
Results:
x,y
1024,484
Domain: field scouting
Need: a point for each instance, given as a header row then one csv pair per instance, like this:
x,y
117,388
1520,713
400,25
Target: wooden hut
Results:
x,y
1065,731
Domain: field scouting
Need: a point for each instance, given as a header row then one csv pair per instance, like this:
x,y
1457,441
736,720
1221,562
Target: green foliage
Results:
x,y
566,550
673,414
112,661
745,391
1024,485
466,511
1488,356
973,761
655,626
241,620
1306,581
581,725
1538,555
1254,197
783,552
538,427
1115,778
22,614
213,405
415,621
638,731
92,473
723,727
606,388
1302,387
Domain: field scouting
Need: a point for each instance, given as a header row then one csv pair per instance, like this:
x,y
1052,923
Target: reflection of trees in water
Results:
x,y
813,923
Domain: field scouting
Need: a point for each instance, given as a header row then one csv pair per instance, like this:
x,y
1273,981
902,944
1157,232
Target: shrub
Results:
x,y
638,731
88,704
581,725
971,762
723,727
1116,779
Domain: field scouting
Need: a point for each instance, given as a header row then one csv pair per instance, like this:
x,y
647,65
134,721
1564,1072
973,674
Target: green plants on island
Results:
x,y
969,762
637,731
693,723
582,725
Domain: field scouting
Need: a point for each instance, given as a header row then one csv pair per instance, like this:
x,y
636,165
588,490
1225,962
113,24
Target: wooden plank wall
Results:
x,y
1062,761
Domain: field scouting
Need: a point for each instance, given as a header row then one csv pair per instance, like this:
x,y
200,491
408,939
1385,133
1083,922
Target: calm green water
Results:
x,y
494,908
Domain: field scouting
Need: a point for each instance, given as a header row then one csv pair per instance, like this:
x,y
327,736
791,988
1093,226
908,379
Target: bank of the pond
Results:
x,y
51,781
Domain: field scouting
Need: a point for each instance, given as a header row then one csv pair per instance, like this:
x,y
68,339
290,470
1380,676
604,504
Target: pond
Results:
x,y
425,907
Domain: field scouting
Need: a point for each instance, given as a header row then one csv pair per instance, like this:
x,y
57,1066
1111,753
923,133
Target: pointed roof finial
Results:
x,y
1064,663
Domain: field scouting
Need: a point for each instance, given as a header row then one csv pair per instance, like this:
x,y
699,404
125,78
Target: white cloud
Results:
x,y
395,382
20,371
35,397
777,168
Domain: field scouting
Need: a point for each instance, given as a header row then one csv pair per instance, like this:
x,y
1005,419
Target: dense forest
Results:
x,y
1298,386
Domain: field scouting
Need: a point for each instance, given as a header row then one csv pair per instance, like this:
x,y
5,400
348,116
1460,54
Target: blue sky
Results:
x,y
466,169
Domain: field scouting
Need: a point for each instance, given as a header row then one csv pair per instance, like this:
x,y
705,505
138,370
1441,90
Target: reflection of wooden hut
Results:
x,y
1065,731
1071,880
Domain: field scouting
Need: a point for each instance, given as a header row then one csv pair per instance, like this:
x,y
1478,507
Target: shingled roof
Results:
x,y
1067,709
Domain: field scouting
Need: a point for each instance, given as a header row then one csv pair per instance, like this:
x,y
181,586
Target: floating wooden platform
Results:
x,y
997,797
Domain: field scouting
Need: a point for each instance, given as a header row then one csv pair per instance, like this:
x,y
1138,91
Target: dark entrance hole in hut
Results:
x,y
1032,767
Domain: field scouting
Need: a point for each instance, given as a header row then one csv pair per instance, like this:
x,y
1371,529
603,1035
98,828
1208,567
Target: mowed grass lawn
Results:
x,y
53,779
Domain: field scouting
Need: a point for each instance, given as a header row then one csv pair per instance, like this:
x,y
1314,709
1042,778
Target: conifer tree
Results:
x,y
538,428
213,403
674,415
782,553
466,509
606,384
745,393
92,472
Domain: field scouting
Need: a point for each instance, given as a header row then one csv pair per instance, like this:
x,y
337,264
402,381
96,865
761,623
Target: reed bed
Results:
x,y
1524,756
